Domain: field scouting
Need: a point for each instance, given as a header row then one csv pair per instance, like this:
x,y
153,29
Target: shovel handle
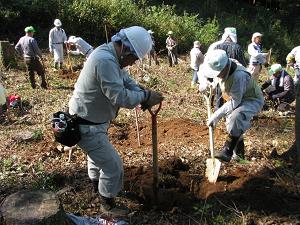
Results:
x,y
155,112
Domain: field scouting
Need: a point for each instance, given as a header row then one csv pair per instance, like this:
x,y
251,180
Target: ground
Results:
x,y
259,190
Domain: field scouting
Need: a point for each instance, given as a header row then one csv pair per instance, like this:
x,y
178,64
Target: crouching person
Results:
x,y
245,99
102,88
280,86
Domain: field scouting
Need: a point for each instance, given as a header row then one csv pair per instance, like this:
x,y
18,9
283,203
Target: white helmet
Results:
x,y
140,40
57,23
71,38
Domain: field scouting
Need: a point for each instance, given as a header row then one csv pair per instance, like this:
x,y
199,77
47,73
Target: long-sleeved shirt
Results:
x,y
171,43
196,58
242,88
56,36
28,47
82,47
233,51
103,87
256,54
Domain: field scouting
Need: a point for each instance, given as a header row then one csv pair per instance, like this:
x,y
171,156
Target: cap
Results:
x,y
29,29
275,68
214,62
197,44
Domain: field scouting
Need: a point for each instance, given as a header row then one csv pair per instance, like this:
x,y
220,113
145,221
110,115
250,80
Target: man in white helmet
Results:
x,y
57,39
257,57
103,87
82,47
171,45
196,60
246,99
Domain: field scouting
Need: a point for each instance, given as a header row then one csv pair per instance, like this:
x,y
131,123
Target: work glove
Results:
x,y
212,121
274,97
153,98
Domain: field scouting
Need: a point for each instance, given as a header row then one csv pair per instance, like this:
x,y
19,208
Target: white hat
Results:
x,y
214,62
140,40
170,32
150,32
57,23
197,44
71,38
275,68
256,34
230,32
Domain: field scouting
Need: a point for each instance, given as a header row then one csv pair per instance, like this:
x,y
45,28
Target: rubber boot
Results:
x,y
61,66
227,150
239,150
95,185
32,79
44,83
108,206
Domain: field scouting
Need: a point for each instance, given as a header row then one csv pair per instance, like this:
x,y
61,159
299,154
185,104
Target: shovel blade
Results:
x,y
212,169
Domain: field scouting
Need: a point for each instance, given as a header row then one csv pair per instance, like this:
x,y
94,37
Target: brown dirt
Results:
x,y
247,186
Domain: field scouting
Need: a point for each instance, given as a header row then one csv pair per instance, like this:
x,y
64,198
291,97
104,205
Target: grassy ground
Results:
x,y
258,191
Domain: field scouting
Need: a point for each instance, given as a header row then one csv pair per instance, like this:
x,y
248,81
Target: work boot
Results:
x,y
95,185
109,208
239,150
61,66
227,150
56,65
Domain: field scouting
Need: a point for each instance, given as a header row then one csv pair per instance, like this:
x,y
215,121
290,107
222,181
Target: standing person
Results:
x,y
293,60
231,47
28,48
280,86
233,51
257,57
246,99
57,39
103,87
196,59
152,53
82,47
171,45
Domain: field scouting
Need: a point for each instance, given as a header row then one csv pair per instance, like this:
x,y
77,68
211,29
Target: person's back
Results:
x,y
233,51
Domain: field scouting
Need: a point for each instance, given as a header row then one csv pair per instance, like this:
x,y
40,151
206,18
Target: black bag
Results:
x,y
66,128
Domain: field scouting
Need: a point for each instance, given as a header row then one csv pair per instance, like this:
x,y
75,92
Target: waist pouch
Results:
x,y
66,128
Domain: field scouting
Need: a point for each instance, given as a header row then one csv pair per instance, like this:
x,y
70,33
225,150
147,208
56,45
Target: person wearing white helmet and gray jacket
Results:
x,y
257,57
57,38
82,47
245,99
102,88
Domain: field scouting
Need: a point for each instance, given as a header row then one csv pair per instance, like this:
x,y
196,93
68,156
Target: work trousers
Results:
x,y
239,120
104,163
33,64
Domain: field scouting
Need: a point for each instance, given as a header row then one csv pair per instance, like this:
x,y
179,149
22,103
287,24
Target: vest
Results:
x,y
252,91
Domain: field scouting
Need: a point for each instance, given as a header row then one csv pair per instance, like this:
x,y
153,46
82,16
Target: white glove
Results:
x,y
212,121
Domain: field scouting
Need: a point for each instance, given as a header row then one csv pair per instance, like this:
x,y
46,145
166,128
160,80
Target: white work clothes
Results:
x,y
196,58
296,53
239,110
57,38
82,47
104,163
103,87
256,54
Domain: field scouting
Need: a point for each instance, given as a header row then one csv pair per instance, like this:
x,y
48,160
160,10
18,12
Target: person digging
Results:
x,y
245,100
103,87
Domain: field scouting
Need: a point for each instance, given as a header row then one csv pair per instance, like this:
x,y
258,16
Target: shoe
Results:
x,y
109,207
226,152
44,86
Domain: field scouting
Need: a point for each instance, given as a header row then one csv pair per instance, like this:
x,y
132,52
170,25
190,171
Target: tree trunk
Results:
x,y
33,208
7,55
297,124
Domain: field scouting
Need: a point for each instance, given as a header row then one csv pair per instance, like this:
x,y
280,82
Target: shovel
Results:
x,y
69,64
213,165
154,150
